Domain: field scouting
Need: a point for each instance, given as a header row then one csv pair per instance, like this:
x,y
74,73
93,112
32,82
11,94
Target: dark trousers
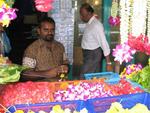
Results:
x,y
91,61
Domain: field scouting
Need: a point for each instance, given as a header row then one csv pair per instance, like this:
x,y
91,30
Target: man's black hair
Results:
x,y
88,7
47,19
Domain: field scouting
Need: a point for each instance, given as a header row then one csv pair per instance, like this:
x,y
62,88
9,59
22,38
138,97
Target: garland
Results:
x,y
148,19
124,25
134,29
114,19
139,17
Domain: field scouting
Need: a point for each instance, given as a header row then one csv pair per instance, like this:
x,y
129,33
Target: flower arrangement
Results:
x,y
139,43
58,109
116,107
6,12
142,77
89,90
134,29
123,52
130,70
55,109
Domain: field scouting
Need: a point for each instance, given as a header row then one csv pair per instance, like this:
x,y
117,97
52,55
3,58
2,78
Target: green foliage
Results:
x,y
143,78
9,2
10,73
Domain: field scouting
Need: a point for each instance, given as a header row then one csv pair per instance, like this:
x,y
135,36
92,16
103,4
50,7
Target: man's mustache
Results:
x,y
51,35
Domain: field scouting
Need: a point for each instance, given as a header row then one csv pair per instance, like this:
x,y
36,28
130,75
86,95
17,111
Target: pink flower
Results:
x,y
114,21
43,5
123,52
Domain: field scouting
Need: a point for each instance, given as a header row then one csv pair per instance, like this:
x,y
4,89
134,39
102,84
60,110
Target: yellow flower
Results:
x,y
57,109
19,111
30,111
2,3
5,21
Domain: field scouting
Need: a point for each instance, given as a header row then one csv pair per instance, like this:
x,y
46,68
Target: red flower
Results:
x,y
139,43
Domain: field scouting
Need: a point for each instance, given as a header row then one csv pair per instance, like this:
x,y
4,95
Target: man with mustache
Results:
x,y
45,56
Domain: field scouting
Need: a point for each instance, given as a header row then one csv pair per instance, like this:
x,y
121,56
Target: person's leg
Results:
x,y
91,61
98,58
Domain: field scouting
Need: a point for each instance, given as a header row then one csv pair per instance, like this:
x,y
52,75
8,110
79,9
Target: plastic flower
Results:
x,y
123,52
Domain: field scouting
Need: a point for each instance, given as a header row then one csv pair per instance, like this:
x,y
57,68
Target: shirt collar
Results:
x,y
91,19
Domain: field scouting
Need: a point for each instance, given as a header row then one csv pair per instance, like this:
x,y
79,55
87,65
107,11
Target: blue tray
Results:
x,y
110,77
47,107
101,105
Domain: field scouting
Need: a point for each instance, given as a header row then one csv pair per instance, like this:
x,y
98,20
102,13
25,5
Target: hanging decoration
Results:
x,y
134,15
43,5
138,17
114,19
148,19
124,18
123,53
6,12
134,28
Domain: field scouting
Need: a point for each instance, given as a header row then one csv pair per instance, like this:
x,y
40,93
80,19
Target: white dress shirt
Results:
x,y
94,36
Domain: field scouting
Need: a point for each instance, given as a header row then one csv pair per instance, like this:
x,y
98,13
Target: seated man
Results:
x,y
45,56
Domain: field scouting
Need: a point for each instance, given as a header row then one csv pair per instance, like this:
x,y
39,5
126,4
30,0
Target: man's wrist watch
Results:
x,y
109,63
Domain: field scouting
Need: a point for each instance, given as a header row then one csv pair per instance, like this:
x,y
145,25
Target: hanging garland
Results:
x,y
139,17
114,19
124,25
134,29
148,19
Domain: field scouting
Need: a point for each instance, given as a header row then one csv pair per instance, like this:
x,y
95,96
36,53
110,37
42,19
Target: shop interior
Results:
x,y
43,89
22,32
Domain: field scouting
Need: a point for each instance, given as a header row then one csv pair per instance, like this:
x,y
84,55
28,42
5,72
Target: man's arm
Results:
x,y
33,75
39,75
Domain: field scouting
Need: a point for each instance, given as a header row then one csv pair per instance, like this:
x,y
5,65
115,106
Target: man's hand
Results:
x,y
53,72
109,67
63,69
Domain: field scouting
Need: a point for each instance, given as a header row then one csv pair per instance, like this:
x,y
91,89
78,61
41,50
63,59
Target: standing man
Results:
x,y
46,57
94,42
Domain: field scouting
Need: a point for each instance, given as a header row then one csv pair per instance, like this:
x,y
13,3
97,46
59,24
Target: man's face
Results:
x,y
84,15
47,31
